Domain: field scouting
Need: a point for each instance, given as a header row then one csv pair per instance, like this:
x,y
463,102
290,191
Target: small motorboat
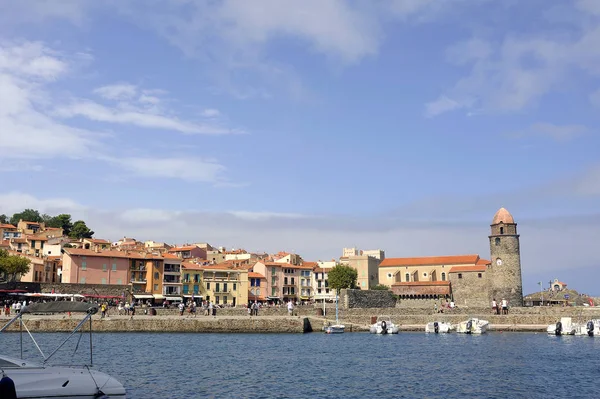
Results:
x,y
24,379
591,328
563,327
472,326
438,327
384,325
334,329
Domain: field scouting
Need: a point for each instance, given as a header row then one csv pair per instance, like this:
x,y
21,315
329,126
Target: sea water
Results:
x,y
350,365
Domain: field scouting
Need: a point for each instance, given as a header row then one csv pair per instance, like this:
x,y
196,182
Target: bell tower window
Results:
x,y
497,241
501,230
407,276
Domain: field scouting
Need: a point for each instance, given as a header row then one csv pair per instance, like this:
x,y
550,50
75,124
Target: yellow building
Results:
x,y
226,283
191,278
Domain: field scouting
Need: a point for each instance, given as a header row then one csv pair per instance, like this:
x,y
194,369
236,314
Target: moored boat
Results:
x,y
438,327
24,379
384,325
472,326
563,327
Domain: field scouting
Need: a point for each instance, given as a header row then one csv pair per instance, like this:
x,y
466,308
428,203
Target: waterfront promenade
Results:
x,y
306,319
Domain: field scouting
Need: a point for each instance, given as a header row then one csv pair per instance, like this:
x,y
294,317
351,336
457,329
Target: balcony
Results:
x,y
137,281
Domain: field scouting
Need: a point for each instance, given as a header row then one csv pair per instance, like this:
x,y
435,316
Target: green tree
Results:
x,y
13,265
62,221
3,219
380,287
30,215
80,230
342,276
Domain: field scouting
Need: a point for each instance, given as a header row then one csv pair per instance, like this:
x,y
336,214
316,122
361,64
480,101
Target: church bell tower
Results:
x,y
505,281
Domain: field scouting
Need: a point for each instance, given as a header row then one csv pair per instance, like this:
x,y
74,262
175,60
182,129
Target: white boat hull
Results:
x,y
384,328
442,327
335,329
473,326
64,383
564,327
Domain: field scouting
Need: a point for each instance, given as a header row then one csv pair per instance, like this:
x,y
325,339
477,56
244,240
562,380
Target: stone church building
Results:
x,y
468,280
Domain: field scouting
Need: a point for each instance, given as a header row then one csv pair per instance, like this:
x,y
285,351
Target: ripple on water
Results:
x,y
352,366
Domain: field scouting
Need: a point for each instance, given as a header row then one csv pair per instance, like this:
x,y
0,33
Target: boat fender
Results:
x,y
7,388
436,327
590,328
384,327
469,325
558,330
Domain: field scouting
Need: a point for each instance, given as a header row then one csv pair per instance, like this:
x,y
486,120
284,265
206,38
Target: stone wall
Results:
x,y
366,299
419,304
90,289
171,324
470,290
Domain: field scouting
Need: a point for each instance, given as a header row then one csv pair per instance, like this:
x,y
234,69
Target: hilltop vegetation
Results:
x,y
77,229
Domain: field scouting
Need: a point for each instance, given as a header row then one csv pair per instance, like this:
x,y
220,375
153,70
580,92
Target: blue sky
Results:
x,y
310,126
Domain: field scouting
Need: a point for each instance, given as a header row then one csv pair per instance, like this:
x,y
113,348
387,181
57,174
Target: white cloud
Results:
x,y
190,169
28,111
13,202
119,91
441,105
138,117
518,71
36,11
254,216
211,113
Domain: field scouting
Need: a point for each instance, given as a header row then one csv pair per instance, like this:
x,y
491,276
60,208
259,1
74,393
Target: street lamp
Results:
x,y
542,292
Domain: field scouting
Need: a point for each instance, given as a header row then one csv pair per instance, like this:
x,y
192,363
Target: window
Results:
x,y
443,276
82,280
156,275
389,275
497,240
285,281
83,265
103,281
186,277
186,289
272,270
114,267
459,275
501,230
479,275
424,274
155,287
235,285
104,267
208,286
217,286
196,289
196,278
217,300
224,300
407,277
224,287
273,292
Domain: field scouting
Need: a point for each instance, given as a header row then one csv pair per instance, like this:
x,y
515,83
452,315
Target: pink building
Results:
x,y
257,287
188,252
84,266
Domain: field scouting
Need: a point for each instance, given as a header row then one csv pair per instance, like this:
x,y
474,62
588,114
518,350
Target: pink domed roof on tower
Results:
x,y
503,216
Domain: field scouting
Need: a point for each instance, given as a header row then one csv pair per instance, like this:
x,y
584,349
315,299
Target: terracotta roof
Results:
x,y
483,262
312,264
185,248
37,238
419,283
503,216
431,260
457,269
7,226
98,241
53,258
255,275
222,266
191,266
288,265
17,240
170,256
109,254
321,269
4,243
